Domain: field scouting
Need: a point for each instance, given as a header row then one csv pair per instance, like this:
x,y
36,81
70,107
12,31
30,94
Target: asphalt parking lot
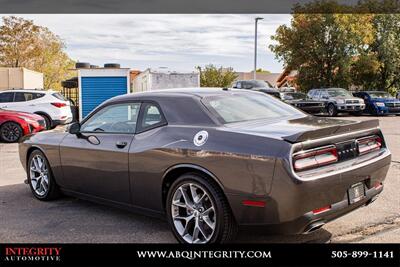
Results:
x,y
69,220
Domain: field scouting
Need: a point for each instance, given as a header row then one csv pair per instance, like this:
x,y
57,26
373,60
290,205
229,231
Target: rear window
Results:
x,y
246,107
59,96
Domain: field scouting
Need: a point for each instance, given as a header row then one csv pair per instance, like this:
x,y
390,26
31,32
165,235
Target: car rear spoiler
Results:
x,y
332,130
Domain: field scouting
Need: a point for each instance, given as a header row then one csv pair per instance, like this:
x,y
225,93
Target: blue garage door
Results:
x,y
96,90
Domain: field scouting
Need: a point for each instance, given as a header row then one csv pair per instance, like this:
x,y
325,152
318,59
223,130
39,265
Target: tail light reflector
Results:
x,y
59,105
369,144
378,185
320,210
253,203
315,158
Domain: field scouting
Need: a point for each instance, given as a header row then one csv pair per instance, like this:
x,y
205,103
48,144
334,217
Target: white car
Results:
x,y
51,105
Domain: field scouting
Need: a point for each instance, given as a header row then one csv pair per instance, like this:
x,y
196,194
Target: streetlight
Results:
x,y
255,47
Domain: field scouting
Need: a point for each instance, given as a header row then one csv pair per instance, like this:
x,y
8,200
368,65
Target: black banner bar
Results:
x,y
181,6
210,255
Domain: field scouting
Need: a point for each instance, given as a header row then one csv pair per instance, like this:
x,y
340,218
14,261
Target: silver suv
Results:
x,y
338,100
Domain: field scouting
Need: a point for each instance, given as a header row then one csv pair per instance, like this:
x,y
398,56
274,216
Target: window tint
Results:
x,y
152,116
246,107
21,97
120,118
6,97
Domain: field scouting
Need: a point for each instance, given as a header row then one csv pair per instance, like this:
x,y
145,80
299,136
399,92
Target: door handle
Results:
x,y
121,144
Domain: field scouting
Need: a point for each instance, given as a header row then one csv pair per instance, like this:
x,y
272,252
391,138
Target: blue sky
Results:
x,y
178,42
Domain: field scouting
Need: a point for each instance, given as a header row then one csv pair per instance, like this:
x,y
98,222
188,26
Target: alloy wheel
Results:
x,y
10,132
193,213
39,175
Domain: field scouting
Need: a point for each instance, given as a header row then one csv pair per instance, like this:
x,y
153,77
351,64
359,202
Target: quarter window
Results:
x,y
152,117
119,118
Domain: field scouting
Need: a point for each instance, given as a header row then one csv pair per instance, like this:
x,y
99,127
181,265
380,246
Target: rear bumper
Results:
x,y
309,221
61,122
289,207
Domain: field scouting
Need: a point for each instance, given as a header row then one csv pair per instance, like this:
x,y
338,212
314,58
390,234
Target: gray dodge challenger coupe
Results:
x,y
212,161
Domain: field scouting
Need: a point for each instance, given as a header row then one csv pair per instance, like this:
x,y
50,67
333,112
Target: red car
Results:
x,y
14,125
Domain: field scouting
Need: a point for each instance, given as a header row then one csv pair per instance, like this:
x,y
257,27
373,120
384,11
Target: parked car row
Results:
x,y
29,111
330,101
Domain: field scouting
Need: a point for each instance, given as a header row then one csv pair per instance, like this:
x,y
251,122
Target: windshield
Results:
x,y
256,84
294,96
246,107
379,95
339,92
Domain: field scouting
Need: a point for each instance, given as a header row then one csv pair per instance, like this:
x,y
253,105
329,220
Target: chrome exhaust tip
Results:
x,y
314,227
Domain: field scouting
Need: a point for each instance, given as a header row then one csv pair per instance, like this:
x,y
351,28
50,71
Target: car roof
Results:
x,y
194,92
28,91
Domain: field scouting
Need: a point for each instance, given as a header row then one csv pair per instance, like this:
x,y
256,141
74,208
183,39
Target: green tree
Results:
x,y
386,47
24,44
322,47
212,76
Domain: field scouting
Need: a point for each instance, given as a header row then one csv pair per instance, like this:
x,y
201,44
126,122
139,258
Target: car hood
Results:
x,y
385,100
301,129
13,113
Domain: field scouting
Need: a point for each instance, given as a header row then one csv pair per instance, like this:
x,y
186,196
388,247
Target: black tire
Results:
x,y
53,191
11,132
332,110
49,122
225,226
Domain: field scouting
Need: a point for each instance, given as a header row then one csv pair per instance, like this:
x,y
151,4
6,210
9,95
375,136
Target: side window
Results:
x,y
6,97
22,97
239,85
324,95
152,117
19,97
234,85
119,118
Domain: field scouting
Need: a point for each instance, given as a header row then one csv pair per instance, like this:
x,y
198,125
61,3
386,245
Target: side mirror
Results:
x,y
74,128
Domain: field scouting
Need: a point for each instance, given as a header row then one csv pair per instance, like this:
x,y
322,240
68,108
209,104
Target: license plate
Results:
x,y
356,192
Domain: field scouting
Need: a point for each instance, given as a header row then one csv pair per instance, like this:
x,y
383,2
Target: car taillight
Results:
x,y
59,105
315,158
369,144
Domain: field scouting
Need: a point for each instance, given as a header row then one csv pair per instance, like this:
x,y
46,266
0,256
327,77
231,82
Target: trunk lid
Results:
x,y
302,129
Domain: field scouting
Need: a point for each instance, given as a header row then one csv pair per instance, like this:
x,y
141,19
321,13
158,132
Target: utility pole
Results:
x,y
255,47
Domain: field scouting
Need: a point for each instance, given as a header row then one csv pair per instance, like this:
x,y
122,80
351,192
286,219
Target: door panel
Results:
x,y
95,161
100,170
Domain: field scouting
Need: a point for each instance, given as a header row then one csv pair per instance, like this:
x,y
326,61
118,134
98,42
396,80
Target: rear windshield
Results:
x,y
59,96
246,107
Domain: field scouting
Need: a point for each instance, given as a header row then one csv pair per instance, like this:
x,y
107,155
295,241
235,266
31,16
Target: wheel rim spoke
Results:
x,y
39,175
193,213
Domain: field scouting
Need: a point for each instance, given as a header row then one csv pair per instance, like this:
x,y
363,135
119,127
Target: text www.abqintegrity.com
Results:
x,y
203,254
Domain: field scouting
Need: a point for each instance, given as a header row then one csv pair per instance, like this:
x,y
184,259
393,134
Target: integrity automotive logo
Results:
x,y
32,254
